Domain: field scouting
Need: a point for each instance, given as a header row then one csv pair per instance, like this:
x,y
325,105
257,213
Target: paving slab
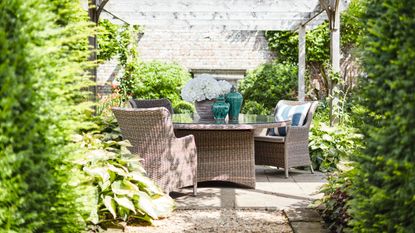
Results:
x,y
303,215
273,191
308,227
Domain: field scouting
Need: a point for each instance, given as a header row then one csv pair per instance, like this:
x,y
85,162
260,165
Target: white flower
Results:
x,y
225,87
204,87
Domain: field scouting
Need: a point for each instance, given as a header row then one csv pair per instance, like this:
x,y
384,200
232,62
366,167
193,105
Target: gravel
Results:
x,y
219,220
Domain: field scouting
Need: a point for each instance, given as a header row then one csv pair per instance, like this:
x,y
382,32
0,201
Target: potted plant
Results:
x,y
203,90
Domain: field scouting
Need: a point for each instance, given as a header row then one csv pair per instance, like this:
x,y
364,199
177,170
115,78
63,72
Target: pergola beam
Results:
x,y
252,15
218,14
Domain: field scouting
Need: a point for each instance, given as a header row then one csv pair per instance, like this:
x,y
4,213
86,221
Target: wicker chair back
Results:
x,y
152,103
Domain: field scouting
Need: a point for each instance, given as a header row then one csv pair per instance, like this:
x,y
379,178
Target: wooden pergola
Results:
x,y
258,15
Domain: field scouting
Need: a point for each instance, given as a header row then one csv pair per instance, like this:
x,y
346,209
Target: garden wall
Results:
x,y
225,54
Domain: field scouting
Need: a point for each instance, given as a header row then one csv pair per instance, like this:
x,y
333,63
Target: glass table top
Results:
x,y
243,119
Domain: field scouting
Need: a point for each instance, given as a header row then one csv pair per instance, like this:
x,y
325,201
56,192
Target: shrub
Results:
x,y
43,48
183,107
270,83
383,187
331,144
336,195
253,107
154,80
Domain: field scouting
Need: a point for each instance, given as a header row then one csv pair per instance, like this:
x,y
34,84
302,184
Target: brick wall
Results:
x,y
206,50
225,54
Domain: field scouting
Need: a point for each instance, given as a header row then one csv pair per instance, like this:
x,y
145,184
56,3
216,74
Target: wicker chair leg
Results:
x,y
195,188
286,171
311,168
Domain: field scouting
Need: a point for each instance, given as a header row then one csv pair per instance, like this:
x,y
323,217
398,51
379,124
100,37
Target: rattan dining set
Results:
x,y
177,154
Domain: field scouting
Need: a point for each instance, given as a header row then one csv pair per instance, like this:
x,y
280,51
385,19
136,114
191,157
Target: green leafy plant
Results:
x,y
154,80
329,145
253,107
285,44
122,191
336,195
269,83
183,107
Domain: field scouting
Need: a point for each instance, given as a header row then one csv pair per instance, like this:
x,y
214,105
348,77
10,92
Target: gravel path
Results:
x,y
219,220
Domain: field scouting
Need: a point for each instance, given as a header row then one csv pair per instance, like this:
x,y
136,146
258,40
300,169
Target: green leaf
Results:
x,y
145,203
145,182
110,205
125,202
327,137
124,188
164,205
100,172
119,171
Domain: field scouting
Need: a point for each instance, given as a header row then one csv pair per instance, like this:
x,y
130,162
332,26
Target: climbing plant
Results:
x,y
285,45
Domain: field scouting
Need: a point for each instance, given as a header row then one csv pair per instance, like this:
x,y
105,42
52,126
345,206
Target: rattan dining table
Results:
x,y
225,149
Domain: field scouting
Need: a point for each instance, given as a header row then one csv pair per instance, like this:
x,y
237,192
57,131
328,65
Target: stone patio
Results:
x,y
276,205
273,191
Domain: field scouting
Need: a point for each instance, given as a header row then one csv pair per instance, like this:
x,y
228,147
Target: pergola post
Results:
x,y
95,7
333,12
335,64
335,42
301,62
334,19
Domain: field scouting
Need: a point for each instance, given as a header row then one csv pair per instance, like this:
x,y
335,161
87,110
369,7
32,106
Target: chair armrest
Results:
x,y
297,133
185,145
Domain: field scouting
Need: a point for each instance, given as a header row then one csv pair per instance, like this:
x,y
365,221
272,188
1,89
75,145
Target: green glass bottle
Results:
x,y
220,108
235,99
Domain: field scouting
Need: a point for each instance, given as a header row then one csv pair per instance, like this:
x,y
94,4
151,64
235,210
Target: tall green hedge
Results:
x,y
384,185
43,46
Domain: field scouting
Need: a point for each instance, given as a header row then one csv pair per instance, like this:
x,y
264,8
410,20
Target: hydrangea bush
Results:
x,y
204,87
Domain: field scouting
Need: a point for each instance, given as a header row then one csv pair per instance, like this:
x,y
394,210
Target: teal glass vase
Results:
x,y
220,108
234,99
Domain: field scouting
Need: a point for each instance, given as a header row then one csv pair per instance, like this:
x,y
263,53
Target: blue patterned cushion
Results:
x,y
295,113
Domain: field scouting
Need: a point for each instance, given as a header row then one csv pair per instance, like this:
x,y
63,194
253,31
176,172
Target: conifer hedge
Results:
x,y
384,184
43,49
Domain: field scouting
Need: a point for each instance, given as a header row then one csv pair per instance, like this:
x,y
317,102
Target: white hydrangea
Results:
x,y
225,87
204,87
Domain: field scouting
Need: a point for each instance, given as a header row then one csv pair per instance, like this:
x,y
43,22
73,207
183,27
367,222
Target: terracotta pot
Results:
x,y
204,109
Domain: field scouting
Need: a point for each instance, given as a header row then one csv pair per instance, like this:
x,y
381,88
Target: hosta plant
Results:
x,y
123,192
328,145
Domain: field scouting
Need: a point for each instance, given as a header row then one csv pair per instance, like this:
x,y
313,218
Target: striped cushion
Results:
x,y
295,113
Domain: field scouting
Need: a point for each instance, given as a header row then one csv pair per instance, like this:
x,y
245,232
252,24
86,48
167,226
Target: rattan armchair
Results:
x,y
151,103
286,151
171,162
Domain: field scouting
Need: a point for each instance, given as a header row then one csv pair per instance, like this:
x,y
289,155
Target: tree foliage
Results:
x,y
269,83
384,184
43,48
